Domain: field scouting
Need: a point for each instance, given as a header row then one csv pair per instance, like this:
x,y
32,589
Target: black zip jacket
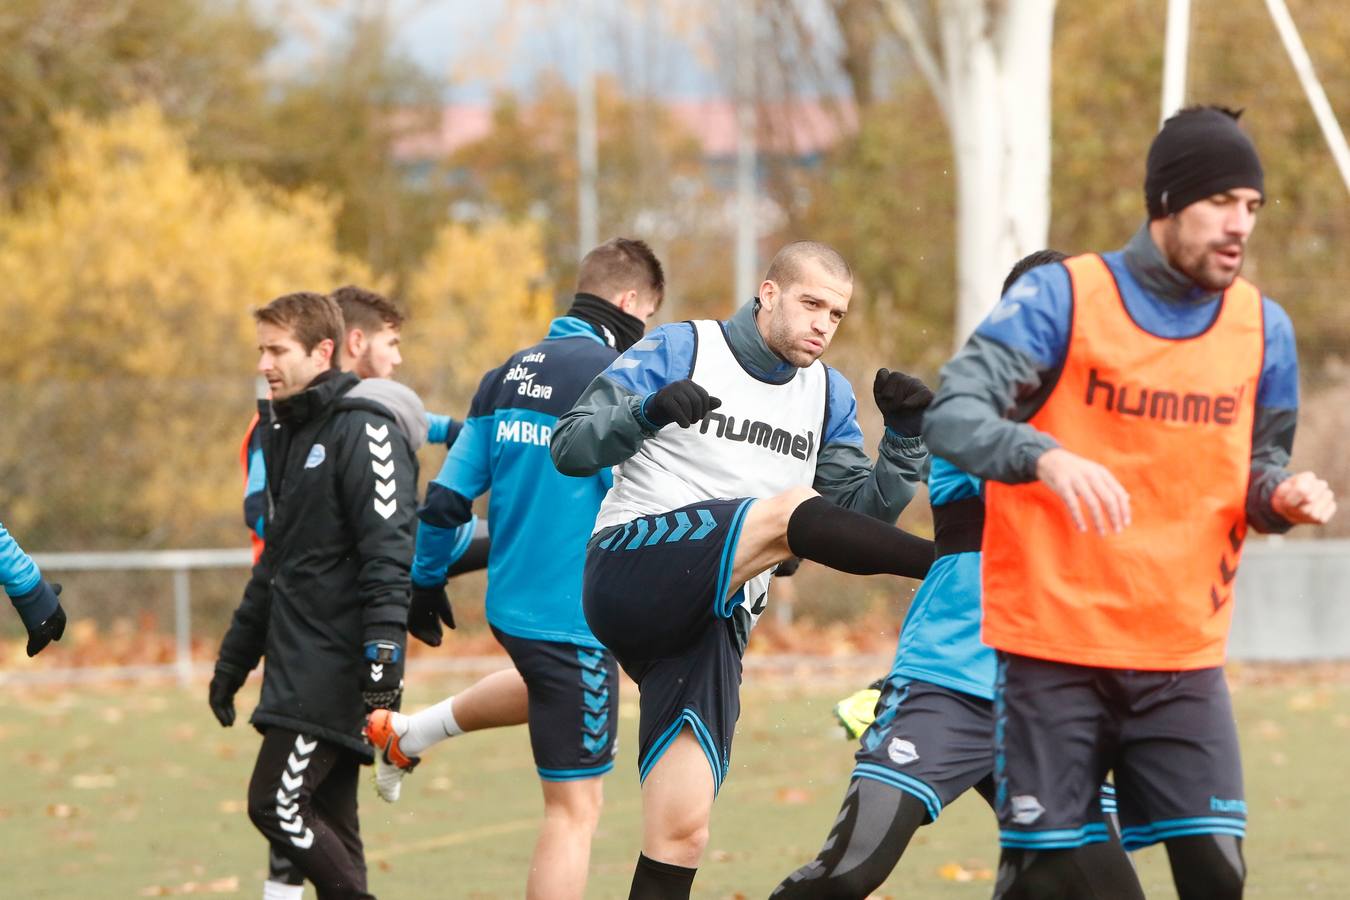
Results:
x,y
342,502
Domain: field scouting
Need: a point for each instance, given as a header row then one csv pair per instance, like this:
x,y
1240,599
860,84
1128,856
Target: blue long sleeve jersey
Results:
x,y
540,518
996,382
18,572
440,430
940,639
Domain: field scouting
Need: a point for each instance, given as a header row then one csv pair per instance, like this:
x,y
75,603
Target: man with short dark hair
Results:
x,y
36,601
676,573
540,520
369,348
327,602
1133,414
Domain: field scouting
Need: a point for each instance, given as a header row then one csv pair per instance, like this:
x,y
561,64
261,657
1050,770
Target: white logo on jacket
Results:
x,y
317,454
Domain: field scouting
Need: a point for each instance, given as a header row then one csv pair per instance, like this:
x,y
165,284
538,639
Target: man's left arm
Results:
x,y
379,494
1276,499
844,473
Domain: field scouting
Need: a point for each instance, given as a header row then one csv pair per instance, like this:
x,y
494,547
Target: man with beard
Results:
x,y
1132,414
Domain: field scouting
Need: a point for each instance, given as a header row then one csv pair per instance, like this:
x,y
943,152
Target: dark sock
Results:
x,y
854,543
654,880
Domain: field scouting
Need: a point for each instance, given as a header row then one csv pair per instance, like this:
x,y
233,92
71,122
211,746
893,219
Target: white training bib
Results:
x,y
764,439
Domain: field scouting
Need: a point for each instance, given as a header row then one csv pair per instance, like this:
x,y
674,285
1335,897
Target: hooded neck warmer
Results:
x,y
618,329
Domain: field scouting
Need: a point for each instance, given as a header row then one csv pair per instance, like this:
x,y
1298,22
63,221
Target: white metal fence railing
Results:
x,y
1293,604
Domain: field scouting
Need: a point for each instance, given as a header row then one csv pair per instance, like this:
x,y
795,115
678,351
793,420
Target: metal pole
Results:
x,y
587,204
182,625
1175,48
747,263
1317,96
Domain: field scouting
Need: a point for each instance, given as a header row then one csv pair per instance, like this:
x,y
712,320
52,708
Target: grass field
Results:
x,y
134,791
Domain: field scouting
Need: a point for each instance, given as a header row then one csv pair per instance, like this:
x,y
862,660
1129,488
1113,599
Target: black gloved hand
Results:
x,y
788,567
681,402
42,615
430,607
381,674
902,399
225,683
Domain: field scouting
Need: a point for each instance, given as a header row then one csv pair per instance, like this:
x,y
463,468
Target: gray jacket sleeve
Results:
x,y
846,476
977,420
1272,443
604,428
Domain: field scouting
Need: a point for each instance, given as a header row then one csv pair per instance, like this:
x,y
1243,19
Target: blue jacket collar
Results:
x,y
571,326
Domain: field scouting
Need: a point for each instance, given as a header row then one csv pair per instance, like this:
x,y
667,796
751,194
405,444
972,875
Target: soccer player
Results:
x,y
541,520
327,602
370,348
35,600
1132,414
933,735
735,449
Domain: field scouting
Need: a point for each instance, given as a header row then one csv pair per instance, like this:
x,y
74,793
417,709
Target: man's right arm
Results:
x,y
607,425
996,381
446,522
244,642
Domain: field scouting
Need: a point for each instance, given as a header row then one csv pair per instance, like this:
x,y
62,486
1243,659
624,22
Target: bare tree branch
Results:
x,y
902,19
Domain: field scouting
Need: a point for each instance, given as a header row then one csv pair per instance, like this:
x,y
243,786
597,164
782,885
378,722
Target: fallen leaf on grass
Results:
x,y
62,811
792,796
233,806
228,885
954,871
93,781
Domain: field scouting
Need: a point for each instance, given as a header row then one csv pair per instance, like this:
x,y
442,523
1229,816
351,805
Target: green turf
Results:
x,y
125,792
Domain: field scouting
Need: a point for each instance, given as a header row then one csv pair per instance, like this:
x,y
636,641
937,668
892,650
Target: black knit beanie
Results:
x,y
1199,152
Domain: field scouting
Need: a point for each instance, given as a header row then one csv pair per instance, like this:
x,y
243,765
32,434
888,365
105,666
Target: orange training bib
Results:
x,y
1172,420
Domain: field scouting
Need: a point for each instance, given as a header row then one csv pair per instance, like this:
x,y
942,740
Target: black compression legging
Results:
x,y
874,826
1207,867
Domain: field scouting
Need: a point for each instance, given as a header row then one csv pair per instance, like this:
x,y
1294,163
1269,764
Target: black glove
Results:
x,y
225,683
430,607
788,567
381,674
902,399
42,615
681,402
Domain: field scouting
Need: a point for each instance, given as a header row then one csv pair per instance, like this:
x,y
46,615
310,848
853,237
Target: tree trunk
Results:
x,y
995,87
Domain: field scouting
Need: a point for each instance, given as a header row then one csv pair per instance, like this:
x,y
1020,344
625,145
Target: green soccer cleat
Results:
x,y
857,711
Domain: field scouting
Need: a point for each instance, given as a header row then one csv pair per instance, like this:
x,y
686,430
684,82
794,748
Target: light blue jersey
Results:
x,y
18,572
540,518
940,639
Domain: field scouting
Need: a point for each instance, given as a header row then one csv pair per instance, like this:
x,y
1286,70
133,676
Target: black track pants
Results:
x,y
302,797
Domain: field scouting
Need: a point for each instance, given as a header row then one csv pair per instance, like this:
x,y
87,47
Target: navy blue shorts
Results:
x,y
934,743
573,703
1168,737
657,591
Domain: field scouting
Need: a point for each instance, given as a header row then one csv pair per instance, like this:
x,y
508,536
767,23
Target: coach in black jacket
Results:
x,y
327,602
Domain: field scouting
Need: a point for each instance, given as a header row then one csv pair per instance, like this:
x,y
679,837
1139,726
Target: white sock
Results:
x,y
432,725
276,890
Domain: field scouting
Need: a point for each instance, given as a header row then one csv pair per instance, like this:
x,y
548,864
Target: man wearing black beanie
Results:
x,y
1133,414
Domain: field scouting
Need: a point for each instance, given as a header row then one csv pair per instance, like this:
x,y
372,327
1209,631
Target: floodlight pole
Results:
x,y
1177,44
587,203
1317,96
747,265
